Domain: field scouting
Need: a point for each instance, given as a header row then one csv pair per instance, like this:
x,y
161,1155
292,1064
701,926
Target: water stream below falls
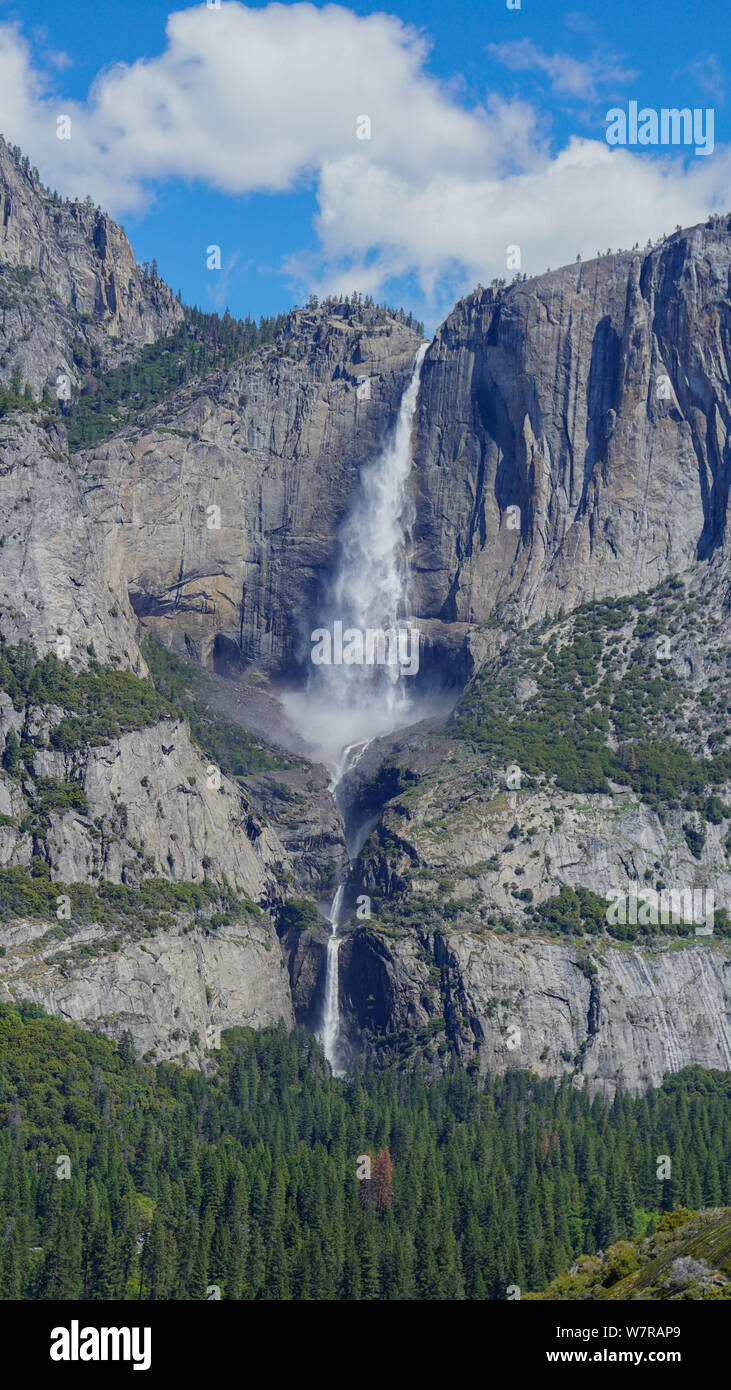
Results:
x,y
331,1007
345,705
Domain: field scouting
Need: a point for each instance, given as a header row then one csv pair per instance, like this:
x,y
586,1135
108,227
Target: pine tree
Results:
x,y
11,754
103,1279
381,1182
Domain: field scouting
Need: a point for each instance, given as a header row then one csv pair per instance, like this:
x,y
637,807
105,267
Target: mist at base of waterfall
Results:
x,y
335,729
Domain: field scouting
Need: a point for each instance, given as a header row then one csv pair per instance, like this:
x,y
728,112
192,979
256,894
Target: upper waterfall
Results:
x,y
346,700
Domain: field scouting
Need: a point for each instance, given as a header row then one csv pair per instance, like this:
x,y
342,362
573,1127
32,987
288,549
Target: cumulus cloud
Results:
x,y
455,229
252,100
268,100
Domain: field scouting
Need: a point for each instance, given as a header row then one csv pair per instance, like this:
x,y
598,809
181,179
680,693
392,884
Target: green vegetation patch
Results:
x,y
300,914
687,1257
202,344
15,396
101,703
564,730
147,908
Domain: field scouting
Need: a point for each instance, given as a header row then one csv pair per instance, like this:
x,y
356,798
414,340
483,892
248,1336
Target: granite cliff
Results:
x,y
572,433
570,447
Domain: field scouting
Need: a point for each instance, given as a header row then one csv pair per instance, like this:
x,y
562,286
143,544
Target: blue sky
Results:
x,y
238,127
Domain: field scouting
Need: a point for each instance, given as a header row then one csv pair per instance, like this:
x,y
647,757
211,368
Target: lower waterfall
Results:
x,y
330,1009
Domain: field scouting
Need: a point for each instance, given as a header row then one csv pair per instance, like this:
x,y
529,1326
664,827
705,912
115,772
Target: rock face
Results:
x,y
456,843
529,1003
173,993
221,520
490,850
298,806
68,275
572,433
153,809
150,790
275,444
53,579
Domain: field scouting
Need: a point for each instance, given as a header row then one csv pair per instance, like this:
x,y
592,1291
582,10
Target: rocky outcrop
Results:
x,y
687,1257
466,838
67,276
155,805
462,825
297,804
572,433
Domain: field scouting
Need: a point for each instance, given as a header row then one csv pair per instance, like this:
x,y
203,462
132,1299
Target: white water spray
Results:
x,y
343,707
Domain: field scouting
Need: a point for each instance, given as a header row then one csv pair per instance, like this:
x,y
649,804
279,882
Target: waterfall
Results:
x,y
344,706
331,1012
371,587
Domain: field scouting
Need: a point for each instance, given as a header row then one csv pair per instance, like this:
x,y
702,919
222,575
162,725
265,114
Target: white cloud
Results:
x,y
582,201
58,58
267,100
708,73
568,76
